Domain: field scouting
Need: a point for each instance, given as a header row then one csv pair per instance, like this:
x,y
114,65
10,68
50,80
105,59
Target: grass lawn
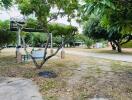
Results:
x,y
79,78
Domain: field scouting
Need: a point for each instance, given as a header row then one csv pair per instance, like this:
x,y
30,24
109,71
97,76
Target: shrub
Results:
x,y
88,42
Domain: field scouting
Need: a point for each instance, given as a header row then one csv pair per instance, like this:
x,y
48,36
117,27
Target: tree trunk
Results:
x,y
118,46
113,46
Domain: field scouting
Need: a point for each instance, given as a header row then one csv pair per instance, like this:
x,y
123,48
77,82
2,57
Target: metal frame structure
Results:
x,y
18,25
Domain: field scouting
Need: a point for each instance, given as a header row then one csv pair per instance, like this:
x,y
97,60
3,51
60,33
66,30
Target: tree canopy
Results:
x,y
42,9
114,18
6,36
5,3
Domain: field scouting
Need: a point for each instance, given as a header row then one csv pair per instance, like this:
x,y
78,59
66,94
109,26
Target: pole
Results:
x,y
62,49
51,43
18,54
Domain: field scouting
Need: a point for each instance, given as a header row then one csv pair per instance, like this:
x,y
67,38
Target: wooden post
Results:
x,y
62,50
18,54
51,44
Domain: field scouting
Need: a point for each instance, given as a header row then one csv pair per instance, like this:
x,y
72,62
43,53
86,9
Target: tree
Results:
x,y
5,3
6,36
35,39
58,31
94,30
61,30
42,11
113,16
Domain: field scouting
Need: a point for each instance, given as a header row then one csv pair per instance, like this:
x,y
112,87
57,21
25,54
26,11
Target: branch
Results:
x,y
51,18
46,46
54,53
129,38
59,47
25,48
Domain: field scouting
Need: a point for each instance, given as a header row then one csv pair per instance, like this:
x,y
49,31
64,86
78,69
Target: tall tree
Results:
x,y
5,3
114,16
42,10
6,36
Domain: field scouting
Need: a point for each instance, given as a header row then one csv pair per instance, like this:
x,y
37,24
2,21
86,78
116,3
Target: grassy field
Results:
x,y
78,78
126,51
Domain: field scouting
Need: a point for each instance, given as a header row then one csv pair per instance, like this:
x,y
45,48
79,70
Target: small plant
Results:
x,y
88,42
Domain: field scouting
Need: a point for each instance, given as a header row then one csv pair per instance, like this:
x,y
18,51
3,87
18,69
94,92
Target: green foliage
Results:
x,y
58,30
82,38
4,25
32,23
6,36
93,30
5,3
88,42
55,28
57,40
61,29
35,39
110,13
42,8
114,20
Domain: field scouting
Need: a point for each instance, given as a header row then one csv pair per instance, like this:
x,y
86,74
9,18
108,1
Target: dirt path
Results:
x,y
74,80
120,57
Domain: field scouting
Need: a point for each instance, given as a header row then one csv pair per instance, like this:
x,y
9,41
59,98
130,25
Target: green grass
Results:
x,y
127,45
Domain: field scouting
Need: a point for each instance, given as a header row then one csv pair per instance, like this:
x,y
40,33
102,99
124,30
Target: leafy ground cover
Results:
x,y
78,78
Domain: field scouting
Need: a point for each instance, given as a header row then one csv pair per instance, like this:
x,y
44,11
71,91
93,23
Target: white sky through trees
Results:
x,y
15,13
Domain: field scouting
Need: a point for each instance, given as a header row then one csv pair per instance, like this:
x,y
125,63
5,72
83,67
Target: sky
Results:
x,y
15,13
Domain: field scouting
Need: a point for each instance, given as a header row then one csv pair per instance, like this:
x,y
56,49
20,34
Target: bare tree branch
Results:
x,y
129,38
29,54
53,17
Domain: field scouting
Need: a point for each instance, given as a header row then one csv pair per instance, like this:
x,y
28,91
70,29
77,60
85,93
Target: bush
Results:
x,y
88,42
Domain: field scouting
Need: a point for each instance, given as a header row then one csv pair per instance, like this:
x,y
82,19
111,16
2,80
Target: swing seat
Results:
x,y
37,54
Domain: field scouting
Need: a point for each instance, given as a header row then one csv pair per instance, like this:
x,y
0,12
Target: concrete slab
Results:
x,y
18,89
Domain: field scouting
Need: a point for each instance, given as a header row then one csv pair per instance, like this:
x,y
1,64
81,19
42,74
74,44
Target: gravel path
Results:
x,y
18,89
120,57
